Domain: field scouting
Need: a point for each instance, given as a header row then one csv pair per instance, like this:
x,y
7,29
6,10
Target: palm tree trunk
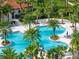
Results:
x,y
72,25
32,8
25,55
75,26
8,16
48,17
73,56
5,37
72,53
62,19
37,19
33,57
54,31
36,57
66,3
56,56
29,25
52,56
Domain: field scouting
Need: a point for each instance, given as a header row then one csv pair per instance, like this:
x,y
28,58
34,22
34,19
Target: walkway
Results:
x,y
63,37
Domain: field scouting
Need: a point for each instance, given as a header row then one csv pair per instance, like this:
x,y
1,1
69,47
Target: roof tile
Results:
x,y
16,5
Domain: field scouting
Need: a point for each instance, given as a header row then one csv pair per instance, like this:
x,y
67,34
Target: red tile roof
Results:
x,y
16,5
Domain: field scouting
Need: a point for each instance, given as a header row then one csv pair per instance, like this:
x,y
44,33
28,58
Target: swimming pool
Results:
x,y
19,44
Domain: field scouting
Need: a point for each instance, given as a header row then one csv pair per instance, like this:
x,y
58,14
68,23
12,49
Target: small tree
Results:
x,y
5,29
53,24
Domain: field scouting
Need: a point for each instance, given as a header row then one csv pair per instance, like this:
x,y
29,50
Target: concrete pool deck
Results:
x,y
63,36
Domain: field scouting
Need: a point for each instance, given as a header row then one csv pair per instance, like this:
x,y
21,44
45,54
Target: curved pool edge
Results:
x,y
58,41
17,38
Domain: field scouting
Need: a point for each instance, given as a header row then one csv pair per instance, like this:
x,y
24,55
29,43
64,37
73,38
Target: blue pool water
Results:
x,y
19,44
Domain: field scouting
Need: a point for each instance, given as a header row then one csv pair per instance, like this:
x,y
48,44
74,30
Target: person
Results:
x,y
67,34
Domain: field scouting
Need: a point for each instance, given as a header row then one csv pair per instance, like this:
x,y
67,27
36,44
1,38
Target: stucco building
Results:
x,y
15,13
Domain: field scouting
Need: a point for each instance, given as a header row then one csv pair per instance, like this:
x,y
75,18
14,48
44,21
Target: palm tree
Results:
x,y
73,15
66,5
32,34
73,51
8,53
5,28
60,52
28,19
75,19
53,24
7,9
51,53
56,53
32,50
37,12
61,13
71,19
74,42
48,6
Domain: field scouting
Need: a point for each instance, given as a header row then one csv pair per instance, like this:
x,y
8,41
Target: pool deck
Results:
x,y
62,37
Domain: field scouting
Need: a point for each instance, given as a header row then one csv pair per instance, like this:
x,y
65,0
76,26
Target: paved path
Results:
x,y
63,36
